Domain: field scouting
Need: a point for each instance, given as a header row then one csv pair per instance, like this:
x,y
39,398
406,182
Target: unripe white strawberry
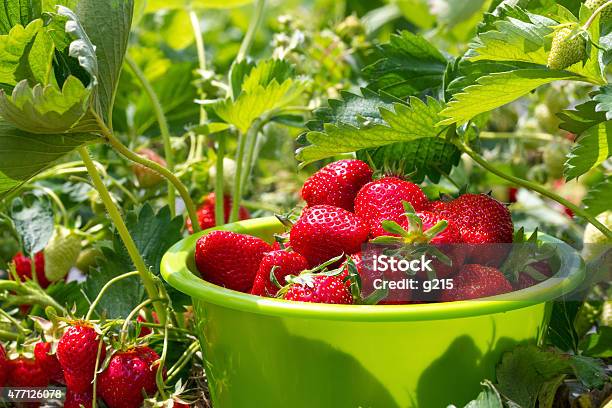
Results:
x,y
595,4
61,253
568,48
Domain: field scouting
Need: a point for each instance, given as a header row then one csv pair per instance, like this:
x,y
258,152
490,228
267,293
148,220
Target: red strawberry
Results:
x,y
27,372
128,374
368,275
525,280
482,220
436,206
49,362
4,367
78,400
318,288
144,331
476,281
286,263
77,351
23,265
382,200
324,232
206,212
229,259
146,177
337,184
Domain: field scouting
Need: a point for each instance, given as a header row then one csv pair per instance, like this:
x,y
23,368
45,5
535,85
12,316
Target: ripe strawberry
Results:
x,y
77,351
382,200
206,212
324,232
146,177
476,281
525,280
568,48
4,367
593,5
144,331
286,263
318,288
49,362
229,259
436,206
482,220
27,372
23,265
337,184
128,373
78,400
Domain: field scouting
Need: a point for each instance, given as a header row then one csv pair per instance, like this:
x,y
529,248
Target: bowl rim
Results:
x,y
175,271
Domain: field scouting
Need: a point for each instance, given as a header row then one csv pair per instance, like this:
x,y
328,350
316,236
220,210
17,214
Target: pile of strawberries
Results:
x,y
346,209
122,383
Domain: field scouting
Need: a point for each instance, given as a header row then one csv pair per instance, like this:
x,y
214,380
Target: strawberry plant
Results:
x,y
466,131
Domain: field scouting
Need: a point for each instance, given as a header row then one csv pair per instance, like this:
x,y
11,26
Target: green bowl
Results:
x,y
271,353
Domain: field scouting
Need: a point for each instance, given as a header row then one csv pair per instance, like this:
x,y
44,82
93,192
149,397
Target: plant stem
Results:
x,y
219,193
199,39
537,136
108,284
535,187
8,336
163,127
134,312
247,42
182,361
237,193
146,276
123,150
250,155
159,377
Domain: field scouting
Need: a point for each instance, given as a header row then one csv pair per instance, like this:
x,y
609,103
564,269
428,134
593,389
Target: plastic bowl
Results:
x,y
271,353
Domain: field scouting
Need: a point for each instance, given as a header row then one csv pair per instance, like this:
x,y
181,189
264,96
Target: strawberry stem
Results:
x,y
534,187
146,276
163,127
219,193
163,171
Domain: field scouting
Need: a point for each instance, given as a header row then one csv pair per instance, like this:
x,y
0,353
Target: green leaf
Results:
x,y
598,344
144,224
546,395
81,47
604,101
33,220
409,66
591,149
267,87
107,24
431,157
498,89
352,109
523,372
13,12
23,154
69,295
514,40
599,197
581,118
589,371
488,398
48,110
121,297
402,124
25,53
